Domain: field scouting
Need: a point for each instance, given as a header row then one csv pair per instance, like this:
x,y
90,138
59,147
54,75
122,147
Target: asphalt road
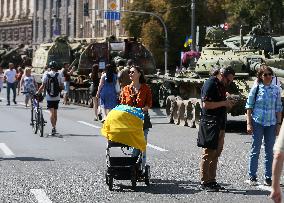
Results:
x,y
71,168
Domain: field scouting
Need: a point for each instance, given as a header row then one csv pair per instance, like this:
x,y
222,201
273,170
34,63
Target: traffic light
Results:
x,y
86,9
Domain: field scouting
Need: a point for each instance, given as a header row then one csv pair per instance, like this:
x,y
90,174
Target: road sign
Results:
x,y
112,15
113,5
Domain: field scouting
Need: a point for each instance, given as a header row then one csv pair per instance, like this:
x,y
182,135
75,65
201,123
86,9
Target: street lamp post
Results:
x,y
193,27
164,27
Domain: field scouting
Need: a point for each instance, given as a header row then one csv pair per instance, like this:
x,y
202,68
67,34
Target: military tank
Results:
x,y
12,55
184,106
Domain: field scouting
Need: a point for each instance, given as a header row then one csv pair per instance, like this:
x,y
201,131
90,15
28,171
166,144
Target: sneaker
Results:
x,y
53,132
268,182
217,186
100,117
253,181
8,104
209,187
15,102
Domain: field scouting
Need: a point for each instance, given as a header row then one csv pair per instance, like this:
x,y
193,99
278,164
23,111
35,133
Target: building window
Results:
x,y
44,4
51,4
68,3
68,31
44,29
52,28
58,2
36,6
36,30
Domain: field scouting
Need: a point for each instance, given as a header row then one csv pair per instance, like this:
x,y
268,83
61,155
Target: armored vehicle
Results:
x,y
12,55
183,106
59,51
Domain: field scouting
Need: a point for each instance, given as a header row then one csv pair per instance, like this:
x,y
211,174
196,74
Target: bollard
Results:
x,y
175,110
169,107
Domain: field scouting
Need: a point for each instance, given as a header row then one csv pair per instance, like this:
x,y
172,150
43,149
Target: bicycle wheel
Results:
x,y
35,121
32,115
41,123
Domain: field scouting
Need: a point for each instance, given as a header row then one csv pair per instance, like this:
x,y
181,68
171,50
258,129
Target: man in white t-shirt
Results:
x,y
10,78
1,79
53,83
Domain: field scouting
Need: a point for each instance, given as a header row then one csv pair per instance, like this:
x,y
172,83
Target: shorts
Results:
x,y
66,87
52,104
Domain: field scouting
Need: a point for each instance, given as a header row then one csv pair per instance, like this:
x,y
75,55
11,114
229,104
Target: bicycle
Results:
x,y
37,120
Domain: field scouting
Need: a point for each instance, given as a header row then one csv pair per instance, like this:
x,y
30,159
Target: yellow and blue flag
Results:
x,y
124,124
188,41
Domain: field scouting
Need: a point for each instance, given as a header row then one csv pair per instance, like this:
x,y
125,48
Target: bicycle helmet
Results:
x,y
52,65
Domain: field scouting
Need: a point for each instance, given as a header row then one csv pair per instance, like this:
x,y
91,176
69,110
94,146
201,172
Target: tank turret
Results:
x,y
11,56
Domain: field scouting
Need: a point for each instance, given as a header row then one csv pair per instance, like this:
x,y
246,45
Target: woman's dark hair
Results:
x,y
109,73
142,78
95,72
261,70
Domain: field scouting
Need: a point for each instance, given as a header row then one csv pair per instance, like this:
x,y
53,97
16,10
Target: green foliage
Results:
x,y
177,17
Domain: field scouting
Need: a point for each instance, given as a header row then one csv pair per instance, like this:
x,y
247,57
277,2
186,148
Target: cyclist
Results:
x,y
53,83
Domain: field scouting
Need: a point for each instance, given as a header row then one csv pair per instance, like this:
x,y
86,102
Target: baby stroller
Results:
x,y
123,128
125,168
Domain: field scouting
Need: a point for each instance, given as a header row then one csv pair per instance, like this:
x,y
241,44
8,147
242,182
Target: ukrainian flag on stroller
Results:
x,y
124,124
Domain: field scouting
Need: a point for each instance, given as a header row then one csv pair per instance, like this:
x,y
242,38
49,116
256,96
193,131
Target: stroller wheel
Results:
x,y
147,175
110,183
133,177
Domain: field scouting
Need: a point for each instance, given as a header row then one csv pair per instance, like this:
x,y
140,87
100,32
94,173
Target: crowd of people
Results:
x,y
126,84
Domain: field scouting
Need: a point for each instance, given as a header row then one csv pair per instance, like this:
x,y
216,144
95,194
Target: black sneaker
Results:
x,y
100,117
53,131
15,102
8,104
268,182
209,187
252,181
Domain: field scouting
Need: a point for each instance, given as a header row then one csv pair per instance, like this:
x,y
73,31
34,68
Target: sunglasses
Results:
x,y
131,72
267,74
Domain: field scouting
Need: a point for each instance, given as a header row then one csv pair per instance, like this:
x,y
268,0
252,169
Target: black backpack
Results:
x,y
52,85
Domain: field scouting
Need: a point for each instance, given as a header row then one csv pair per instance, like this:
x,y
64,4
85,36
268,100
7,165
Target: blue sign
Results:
x,y
112,15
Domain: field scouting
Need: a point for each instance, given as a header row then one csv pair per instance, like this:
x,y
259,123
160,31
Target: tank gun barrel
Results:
x,y
12,51
256,65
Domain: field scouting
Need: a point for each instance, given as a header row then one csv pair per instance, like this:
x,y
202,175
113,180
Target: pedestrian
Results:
x,y
20,72
123,75
264,109
66,74
94,89
10,78
139,95
1,79
106,90
214,104
28,84
277,166
53,82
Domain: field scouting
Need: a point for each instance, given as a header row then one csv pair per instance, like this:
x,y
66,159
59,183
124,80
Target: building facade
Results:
x,y
66,17
16,22
53,18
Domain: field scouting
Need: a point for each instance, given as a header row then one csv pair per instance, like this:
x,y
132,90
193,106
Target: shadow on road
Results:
x,y
158,112
24,159
78,135
159,186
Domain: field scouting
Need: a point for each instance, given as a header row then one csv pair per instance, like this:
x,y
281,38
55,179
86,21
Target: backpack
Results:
x,y
53,88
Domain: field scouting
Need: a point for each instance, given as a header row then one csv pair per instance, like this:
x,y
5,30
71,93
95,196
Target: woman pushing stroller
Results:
x,y
138,95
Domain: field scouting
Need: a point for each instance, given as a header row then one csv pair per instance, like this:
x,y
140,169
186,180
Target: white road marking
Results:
x,y
6,150
89,124
157,148
98,127
41,196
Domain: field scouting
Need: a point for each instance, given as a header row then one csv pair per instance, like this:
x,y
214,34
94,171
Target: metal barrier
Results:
x,y
80,96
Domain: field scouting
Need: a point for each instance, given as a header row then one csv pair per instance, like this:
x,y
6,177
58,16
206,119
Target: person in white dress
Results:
x,y
28,84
